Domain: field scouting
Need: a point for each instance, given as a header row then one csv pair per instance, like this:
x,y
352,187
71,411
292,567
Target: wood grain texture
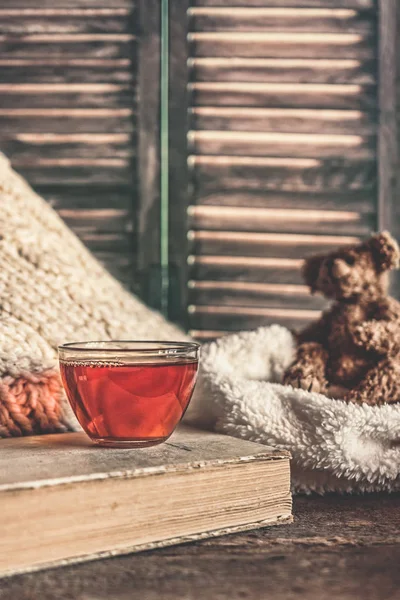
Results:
x,y
337,547
358,201
274,245
38,20
68,117
97,220
107,172
252,219
206,335
356,4
283,142
51,4
285,19
253,269
22,121
211,173
252,294
256,143
54,146
237,318
93,45
75,70
283,95
283,120
178,167
148,214
98,241
387,142
66,95
87,197
187,449
273,44
60,471
283,70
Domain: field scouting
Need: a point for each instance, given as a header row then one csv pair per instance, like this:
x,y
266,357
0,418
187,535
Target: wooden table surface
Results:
x,y
338,547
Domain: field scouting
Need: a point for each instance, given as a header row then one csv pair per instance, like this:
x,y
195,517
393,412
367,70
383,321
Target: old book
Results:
x,y
63,499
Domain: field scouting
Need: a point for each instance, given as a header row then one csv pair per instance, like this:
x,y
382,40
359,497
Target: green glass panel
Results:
x,y
164,142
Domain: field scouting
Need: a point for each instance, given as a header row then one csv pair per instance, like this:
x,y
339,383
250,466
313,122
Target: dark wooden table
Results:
x,y
338,547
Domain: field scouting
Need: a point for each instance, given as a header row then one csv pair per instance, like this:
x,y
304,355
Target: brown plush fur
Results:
x,y
355,344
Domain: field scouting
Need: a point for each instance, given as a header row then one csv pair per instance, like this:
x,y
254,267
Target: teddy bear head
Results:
x,y
354,271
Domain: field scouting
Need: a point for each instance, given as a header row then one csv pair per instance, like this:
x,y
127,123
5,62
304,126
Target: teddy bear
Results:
x,y
356,343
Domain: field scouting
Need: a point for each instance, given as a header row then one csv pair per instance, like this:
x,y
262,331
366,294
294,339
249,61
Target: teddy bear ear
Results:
x,y
310,271
385,251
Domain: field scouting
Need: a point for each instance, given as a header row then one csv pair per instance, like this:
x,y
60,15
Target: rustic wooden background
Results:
x,y
288,145
339,547
68,114
283,142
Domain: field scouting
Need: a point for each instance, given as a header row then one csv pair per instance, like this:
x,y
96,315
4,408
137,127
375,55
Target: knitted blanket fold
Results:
x,y
52,290
335,446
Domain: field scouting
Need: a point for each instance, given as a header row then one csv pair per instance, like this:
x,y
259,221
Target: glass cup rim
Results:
x,y
123,346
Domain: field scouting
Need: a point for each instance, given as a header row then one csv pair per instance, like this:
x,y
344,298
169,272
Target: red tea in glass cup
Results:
x,y
129,394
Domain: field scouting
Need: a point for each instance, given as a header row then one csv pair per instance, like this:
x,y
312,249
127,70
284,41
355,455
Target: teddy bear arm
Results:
x,y
380,385
379,336
382,333
309,368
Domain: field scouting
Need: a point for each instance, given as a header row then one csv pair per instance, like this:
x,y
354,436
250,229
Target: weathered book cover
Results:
x,y
63,499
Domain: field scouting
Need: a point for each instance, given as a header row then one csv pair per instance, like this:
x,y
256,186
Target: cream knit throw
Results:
x,y
52,290
335,446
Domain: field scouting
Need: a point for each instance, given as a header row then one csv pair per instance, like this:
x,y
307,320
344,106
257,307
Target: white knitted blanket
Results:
x,y
335,446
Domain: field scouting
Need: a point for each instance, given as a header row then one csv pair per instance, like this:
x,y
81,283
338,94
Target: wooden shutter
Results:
x,y
282,142
67,114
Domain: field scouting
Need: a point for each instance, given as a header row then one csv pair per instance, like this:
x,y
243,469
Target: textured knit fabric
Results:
x,y
335,446
52,291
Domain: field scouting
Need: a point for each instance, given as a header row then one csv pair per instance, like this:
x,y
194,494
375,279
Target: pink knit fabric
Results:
x,y
30,404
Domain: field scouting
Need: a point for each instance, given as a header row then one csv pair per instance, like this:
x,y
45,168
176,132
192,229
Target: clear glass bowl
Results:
x,y
129,393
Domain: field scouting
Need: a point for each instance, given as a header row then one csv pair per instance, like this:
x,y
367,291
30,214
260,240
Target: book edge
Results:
x,y
266,456
283,519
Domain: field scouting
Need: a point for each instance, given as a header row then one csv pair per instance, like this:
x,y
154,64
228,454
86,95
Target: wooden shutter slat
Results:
x,y
282,44
253,295
105,242
244,143
357,4
282,120
282,136
78,172
48,71
279,18
272,220
246,268
109,220
281,70
234,318
96,198
358,201
67,45
28,120
67,145
64,20
68,114
27,4
211,173
81,95
207,334
279,245
291,95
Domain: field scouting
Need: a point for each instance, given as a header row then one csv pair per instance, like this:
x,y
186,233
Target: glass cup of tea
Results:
x,y
129,394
